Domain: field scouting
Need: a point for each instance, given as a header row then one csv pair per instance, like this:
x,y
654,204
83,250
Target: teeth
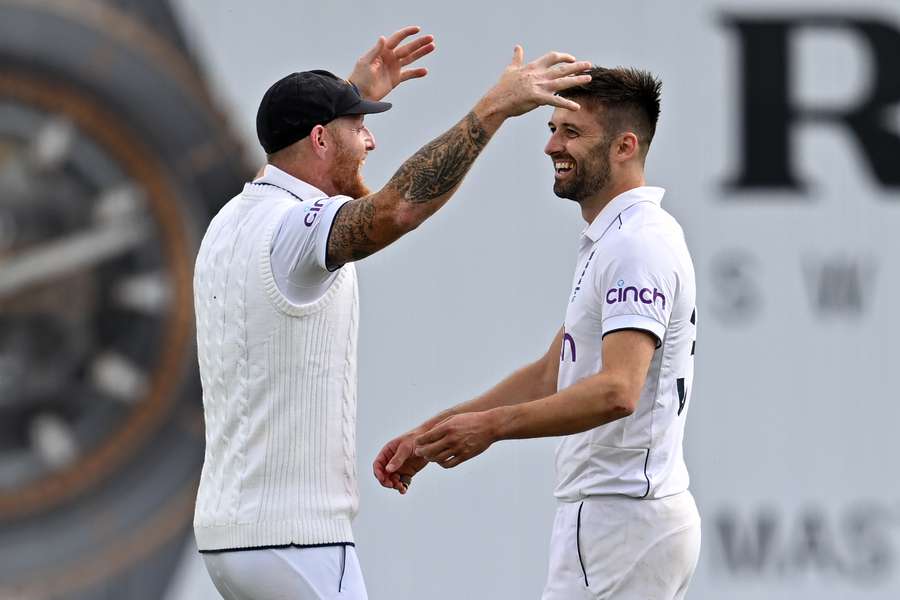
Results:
x,y
563,164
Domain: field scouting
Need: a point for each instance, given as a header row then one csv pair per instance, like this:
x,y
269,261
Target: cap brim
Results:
x,y
367,107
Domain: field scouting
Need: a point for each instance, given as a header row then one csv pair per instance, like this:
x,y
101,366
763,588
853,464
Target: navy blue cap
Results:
x,y
298,102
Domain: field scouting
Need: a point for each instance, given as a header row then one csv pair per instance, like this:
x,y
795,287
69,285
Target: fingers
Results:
x,y
442,456
378,469
552,58
452,462
576,69
430,436
414,56
415,49
401,34
561,102
564,83
400,483
429,451
412,74
518,58
375,50
401,453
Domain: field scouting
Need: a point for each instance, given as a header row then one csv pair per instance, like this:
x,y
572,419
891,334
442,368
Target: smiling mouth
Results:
x,y
563,167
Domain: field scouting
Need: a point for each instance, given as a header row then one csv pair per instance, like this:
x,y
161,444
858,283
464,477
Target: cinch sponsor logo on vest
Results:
x,y
643,295
313,212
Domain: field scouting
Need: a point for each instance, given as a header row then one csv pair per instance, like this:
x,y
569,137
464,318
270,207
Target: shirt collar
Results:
x,y
272,175
620,204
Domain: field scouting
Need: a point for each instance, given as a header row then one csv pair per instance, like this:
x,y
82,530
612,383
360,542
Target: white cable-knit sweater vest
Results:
x,y
279,391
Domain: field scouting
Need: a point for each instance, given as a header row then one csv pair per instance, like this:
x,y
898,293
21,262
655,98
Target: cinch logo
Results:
x,y
313,212
644,295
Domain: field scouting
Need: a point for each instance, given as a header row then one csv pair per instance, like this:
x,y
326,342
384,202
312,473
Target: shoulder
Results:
x,y
646,230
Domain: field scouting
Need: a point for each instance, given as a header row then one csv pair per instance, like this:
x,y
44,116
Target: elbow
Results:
x,y
406,219
620,401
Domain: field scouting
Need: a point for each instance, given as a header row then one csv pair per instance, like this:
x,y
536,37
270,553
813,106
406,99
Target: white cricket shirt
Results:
x,y
633,272
278,374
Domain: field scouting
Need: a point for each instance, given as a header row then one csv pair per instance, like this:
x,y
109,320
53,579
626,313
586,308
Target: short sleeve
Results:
x,y
637,287
300,244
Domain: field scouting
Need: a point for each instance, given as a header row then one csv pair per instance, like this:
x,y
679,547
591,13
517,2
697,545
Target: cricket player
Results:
x,y
275,295
615,383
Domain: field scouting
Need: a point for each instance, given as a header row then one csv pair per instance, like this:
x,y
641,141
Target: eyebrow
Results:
x,y
563,124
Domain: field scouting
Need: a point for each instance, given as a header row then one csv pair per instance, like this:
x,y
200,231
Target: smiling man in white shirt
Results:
x,y
615,383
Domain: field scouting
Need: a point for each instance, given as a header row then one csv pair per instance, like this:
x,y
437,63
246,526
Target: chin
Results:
x,y
359,190
354,187
563,192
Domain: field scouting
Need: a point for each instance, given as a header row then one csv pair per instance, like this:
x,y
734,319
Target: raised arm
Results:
x,y
429,178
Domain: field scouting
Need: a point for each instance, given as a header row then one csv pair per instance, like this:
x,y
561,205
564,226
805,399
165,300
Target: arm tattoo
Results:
x,y
440,165
349,237
431,173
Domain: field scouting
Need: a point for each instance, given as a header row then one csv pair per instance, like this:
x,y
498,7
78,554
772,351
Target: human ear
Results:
x,y
318,139
627,146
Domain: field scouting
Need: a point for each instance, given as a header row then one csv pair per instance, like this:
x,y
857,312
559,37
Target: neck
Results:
x,y
592,206
312,176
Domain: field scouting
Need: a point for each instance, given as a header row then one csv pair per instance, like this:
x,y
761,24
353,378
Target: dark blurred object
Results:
x,y
112,160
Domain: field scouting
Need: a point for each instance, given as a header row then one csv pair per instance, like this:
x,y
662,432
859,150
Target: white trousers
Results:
x,y
619,548
314,573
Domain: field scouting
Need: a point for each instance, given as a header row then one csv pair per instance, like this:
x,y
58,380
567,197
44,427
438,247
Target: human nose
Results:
x,y
370,139
553,145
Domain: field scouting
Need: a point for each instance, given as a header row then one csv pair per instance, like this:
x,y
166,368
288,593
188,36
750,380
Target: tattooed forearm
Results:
x,y
442,163
349,239
420,187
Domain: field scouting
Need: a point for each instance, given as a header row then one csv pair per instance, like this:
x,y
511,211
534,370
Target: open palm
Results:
x,y
382,68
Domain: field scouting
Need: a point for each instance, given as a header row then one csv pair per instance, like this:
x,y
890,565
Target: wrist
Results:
x,y
499,422
363,91
490,112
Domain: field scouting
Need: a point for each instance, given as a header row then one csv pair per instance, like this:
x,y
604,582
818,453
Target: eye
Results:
x,y
571,133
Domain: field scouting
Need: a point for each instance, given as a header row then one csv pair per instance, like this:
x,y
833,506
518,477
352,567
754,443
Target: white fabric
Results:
x,y
288,574
279,385
621,548
301,238
633,272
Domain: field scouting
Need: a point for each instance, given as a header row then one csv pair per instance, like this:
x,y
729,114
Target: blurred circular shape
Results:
x,y
112,160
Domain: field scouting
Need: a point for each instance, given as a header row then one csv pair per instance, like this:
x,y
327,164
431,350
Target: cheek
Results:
x,y
361,147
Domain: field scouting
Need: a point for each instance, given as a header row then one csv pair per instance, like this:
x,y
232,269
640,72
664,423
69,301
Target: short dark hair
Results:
x,y
629,96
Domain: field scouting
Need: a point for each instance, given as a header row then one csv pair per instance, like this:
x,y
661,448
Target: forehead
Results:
x,y
349,120
584,119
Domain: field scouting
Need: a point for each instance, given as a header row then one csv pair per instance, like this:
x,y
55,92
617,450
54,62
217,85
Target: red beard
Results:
x,y
345,176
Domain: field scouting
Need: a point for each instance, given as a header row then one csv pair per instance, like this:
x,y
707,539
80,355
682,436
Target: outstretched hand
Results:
x,y
396,464
381,69
524,87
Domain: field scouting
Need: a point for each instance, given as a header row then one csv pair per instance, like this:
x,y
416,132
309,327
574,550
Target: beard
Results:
x,y
592,174
345,176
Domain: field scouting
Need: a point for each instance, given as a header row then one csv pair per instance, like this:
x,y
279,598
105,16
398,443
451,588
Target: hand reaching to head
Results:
x,y
524,87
